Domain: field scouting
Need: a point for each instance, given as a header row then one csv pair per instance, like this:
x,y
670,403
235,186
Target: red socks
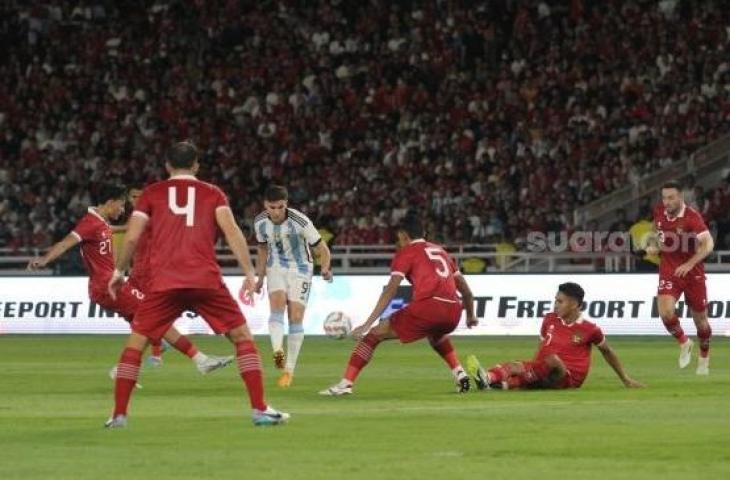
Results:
x,y
127,374
444,348
703,335
675,329
157,349
184,346
361,355
249,365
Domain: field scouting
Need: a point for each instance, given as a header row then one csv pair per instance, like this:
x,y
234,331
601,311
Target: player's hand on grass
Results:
x,y
114,283
471,321
36,264
631,383
683,270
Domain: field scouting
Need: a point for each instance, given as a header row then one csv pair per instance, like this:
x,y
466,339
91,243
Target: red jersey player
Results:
x,y
185,216
683,243
94,234
433,313
564,357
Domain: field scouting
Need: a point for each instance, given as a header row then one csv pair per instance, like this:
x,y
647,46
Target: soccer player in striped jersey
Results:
x,y
286,238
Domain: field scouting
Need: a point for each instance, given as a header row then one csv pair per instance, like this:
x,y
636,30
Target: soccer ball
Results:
x,y
337,325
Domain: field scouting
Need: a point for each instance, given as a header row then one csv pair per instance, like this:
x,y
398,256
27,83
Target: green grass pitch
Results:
x,y
403,422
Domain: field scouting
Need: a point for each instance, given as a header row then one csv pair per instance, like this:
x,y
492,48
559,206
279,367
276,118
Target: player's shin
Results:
x,y
675,328
249,366
361,356
704,333
127,374
294,345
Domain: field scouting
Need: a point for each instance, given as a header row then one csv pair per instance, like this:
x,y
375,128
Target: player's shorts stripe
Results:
x,y
140,213
78,237
399,274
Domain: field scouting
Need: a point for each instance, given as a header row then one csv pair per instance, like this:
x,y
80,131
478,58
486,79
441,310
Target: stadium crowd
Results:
x,y
495,117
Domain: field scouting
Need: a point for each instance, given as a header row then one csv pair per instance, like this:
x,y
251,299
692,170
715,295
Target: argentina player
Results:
x,y
286,238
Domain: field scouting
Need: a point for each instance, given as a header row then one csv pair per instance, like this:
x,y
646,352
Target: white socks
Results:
x,y
276,330
294,345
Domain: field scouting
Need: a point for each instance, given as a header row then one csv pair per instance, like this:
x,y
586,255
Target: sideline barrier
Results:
x,y
513,304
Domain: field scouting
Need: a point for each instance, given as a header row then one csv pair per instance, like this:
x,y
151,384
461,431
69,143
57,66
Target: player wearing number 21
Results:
x,y
434,311
185,216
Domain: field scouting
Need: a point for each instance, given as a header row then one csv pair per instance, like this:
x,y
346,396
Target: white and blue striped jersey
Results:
x,y
289,242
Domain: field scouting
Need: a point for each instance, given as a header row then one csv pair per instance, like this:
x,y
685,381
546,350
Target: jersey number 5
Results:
x,y
188,209
434,254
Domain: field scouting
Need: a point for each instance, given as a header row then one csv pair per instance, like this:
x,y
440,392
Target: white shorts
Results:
x,y
296,285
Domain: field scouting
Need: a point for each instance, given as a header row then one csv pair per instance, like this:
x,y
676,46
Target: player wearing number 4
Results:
x,y
434,311
185,216
285,239
94,234
683,241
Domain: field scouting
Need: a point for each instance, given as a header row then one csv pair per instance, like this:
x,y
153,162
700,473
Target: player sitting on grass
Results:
x,y
564,357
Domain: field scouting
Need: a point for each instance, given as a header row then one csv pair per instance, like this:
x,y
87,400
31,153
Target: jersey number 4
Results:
x,y
435,254
188,209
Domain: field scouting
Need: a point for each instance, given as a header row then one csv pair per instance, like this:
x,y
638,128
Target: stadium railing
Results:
x,y
705,162
375,259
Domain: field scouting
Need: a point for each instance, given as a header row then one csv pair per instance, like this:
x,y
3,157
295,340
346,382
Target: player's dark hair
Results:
x,y
110,191
182,155
572,290
412,225
274,193
672,184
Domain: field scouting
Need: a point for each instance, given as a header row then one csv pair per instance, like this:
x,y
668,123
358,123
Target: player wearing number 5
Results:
x,y
286,238
434,311
683,241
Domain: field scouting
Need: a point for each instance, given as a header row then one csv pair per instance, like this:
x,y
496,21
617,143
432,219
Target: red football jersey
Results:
x,y
183,231
678,238
95,237
572,343
428,268
141,263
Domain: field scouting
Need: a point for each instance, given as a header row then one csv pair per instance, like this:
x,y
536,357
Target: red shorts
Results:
x,y
160,310
140,283
537,375
425,318
126,304
692,285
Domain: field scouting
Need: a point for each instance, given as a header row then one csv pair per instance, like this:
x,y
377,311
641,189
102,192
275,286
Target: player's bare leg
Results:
x,y
126,378
277,302
249,366
667,311
204,363
443,346
704,333
360,357
293,342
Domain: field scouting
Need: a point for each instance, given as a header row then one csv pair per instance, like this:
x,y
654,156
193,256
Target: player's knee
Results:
x,y
240,334
556,366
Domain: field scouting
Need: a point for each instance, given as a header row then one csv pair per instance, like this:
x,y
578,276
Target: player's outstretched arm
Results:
x,y
238,245
612,359
385,298
58,249
325,259
467,297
